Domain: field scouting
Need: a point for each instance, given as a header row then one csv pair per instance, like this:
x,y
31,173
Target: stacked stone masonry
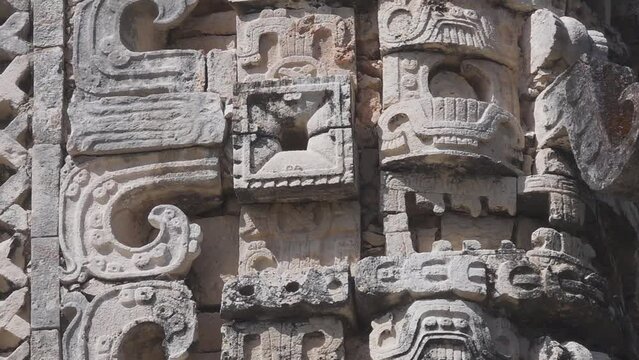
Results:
x,y
319,179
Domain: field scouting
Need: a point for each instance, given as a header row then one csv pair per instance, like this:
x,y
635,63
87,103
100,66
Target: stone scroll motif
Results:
x,y
117,69
285,44
100,232
293,140
316,338
101,327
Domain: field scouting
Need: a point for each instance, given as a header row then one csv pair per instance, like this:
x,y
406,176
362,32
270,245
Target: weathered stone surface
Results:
x,y
45,279
103,202
48,99
45,345
218,258
293,140
313,339
46,161
48,23
111,323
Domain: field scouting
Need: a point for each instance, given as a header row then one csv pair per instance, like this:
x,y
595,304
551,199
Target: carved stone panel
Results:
x,y
313,339
462,26
285,44
103,202
446,111
293,140
130,96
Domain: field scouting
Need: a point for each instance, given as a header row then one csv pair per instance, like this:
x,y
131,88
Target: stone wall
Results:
x,y
319,180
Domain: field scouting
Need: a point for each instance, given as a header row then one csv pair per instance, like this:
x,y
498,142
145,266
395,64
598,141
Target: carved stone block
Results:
x,y
284,44
293,140
273,294
103,204
313,339
108,325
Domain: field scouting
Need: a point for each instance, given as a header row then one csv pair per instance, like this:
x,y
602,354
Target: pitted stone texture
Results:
x,y
103,203
13,34
132,124
440,110
45,283
293,140
317,338
103,326
284,44
218,258
473,27
292,236
590,110
279,294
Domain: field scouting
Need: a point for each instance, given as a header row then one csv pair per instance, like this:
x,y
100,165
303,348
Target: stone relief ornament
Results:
x,y
440,110
285,44
131,97
101,327
293,140
102,232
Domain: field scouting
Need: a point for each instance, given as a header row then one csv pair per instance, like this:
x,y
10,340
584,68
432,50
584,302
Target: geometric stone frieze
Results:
x,y
100,328
464,26
317,338
104,202
293,140
280,44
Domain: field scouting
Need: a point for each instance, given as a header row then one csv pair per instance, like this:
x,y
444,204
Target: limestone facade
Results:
x,y
319,180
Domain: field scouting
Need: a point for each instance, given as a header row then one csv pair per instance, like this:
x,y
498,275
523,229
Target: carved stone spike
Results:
x,y
293,140
285,44
102,204
593,107
101,328
312,339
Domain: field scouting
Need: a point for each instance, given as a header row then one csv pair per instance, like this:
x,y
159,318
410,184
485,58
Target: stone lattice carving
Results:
x,y
15,178
100,327
100,234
